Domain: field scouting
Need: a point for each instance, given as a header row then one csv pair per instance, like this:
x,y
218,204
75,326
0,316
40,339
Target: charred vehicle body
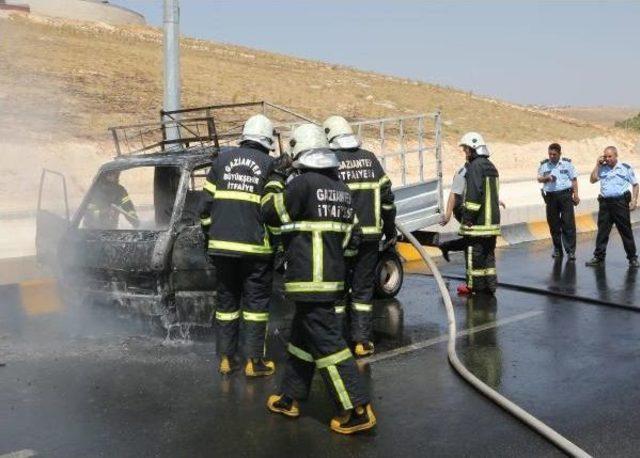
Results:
x,y
136,240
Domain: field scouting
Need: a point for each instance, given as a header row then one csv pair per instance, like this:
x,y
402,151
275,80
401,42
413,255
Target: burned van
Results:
x,y
135,239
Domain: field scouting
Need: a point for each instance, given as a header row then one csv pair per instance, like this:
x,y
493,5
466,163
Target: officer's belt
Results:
x,y
559,192
624,196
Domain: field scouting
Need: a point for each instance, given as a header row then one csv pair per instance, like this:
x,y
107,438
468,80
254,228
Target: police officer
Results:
x,y
315,216
108,201
480,216
239,246
560,193
618,197
373,201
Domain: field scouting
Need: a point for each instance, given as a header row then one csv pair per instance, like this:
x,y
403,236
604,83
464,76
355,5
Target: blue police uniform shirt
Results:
x,y
615,181
563,170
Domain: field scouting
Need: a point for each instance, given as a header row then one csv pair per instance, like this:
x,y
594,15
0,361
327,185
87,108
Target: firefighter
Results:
x,y
480,216
560,194
373,201
314,214
108,201
618,198
239,247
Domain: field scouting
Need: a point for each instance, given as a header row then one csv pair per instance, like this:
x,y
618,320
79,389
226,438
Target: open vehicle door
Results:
x,y
52,217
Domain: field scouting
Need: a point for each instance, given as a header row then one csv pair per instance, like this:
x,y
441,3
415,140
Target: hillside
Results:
x,y
601,115
89,76
63,83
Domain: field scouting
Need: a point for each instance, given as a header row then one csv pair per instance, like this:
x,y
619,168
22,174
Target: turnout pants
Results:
x,y
244,291
316,342
360,280
561,219
459,244
481,263
614,210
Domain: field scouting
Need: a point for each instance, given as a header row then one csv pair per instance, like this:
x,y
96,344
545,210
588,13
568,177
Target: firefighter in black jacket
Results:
x,y
480,216
373,202
109,199
239,246
314,214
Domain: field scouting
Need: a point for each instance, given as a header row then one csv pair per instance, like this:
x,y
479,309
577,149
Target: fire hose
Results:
x,y
529,420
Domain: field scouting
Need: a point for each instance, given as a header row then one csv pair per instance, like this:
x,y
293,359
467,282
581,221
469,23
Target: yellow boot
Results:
x,y
359,419
364,349
283,405
259,367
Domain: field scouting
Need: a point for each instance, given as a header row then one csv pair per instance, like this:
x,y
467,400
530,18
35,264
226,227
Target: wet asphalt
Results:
x,y
84,380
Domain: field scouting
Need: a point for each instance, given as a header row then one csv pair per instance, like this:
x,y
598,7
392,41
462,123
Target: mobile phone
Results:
x,y
601,160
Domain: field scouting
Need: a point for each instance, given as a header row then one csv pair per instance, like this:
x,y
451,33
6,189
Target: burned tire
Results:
x,y
389,275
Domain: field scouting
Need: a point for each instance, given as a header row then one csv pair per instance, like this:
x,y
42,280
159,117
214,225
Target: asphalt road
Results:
x,y
82,380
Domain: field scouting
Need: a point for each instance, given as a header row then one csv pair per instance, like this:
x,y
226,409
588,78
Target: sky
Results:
x,y
529,52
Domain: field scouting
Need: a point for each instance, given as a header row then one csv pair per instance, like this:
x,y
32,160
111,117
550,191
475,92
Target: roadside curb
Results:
x,y
514,234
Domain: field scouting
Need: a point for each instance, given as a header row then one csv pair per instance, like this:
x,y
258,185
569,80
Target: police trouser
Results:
x,y
614,210
481,263
361,281
561,219
316,342
244,291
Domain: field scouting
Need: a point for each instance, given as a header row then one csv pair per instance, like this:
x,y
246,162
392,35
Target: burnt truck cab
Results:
x,y
157,266
149,253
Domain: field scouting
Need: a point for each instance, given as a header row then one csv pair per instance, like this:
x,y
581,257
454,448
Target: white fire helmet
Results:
x,y
310,148
259,128
474,140
340,134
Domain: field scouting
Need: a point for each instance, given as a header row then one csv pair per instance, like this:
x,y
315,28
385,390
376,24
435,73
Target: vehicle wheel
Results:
x,y
389,274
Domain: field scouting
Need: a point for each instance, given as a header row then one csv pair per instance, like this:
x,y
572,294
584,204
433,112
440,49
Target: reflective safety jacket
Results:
x,y
315,218
370,187
107,202
235,184
481,209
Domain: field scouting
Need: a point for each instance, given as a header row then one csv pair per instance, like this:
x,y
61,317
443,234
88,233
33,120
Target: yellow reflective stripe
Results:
x,y
299,353
240,247
361,307
495,232
274,183
266,198
473,206
278,200
350,253
340,309
324,226
255,316
376,208
237,195
469,266
363,186
205,221
227,316
125,199
483,272
384,179
371,230
209,186
275,230
313,286
388,206
318,255
341,391
333,359
487,202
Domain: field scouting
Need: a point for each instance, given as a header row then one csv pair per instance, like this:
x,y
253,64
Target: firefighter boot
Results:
x,y
359,419
364,349
284,405
259,367
227,365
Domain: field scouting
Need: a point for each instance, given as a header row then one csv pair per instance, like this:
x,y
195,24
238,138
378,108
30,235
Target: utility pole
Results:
x,y
172,61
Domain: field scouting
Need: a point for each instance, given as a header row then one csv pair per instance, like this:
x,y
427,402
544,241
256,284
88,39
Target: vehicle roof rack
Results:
x,y
212,125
